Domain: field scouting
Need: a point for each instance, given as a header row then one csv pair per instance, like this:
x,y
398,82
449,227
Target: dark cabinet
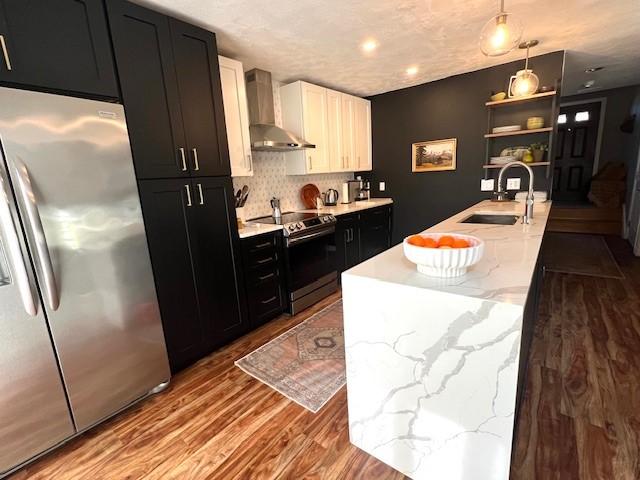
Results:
x,y
375,232
191,234
360,236
263,272
196,62
171,92
57,45
143,49
347,242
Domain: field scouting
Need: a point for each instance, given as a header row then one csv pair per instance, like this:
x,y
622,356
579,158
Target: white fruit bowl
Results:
x,y
444,262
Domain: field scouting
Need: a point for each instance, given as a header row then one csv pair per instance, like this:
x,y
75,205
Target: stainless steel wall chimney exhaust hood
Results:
x,y
265,135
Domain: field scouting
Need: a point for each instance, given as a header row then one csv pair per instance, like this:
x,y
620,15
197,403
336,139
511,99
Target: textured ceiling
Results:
x,y
319,41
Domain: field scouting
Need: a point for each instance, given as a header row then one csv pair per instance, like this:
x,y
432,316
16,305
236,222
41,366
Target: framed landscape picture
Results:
x,y
434,156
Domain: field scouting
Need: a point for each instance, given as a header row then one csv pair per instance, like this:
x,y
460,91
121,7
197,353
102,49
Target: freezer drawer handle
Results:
x,y
5,52
35,223
269,300
14,253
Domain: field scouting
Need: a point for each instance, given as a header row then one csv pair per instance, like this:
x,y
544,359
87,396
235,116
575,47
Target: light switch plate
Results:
x,y
513,183
382,186
487,185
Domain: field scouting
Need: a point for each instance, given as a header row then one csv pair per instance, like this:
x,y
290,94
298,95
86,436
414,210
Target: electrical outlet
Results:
x,y
382,186
487,185
513,183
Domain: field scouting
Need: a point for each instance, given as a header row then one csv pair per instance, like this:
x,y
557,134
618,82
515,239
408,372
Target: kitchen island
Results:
x,y
433,364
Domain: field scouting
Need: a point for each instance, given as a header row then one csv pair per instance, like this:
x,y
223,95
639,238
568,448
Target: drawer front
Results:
x,y
376,217
261,251
266,300
262,274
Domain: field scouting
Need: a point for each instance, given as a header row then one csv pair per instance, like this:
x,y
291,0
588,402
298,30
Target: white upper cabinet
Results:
x,y
304,112
236,116
334,131
362,129
339,125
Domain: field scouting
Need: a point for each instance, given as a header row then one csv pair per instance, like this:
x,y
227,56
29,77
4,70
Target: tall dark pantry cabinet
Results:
x,y
171,91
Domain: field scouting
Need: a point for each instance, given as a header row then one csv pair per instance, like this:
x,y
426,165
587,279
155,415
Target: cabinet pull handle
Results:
x,y
200,193
264,260
250,162
5,52
188,195
264,302
264,277
195,159
310,163
262,245
348,232
184,159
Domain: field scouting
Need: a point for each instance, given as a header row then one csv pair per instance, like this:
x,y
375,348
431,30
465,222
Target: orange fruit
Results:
x,y
446,241
429,242
460,243
416,240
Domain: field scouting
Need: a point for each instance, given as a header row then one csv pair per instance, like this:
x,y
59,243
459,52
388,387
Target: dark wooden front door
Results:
x,y
575,151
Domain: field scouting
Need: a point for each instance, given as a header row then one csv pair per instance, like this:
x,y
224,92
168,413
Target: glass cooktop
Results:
x,y
287,217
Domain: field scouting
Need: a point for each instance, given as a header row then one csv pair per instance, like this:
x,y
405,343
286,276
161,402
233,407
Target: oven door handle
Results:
x,y
310,236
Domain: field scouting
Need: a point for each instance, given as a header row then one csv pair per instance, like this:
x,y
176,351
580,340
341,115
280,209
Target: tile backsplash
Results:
x,y
269,179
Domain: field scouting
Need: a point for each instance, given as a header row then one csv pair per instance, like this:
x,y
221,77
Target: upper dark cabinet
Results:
x,y
143,49
171,91
196,61
57,45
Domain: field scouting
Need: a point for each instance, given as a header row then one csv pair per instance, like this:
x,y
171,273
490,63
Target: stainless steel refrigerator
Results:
x,y
80,330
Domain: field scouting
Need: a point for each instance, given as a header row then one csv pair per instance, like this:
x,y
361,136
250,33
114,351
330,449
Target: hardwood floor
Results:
x,y
217,422
581,414
580,419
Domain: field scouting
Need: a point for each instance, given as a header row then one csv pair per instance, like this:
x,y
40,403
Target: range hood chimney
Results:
x,y
265,135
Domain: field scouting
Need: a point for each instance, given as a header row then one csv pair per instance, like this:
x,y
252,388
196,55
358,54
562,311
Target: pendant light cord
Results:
x,y
501,6
526,62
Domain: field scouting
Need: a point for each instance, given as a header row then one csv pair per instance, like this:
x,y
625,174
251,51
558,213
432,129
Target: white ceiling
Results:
x,y
319,41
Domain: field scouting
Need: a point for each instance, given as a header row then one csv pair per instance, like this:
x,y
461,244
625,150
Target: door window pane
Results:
x,y
582,116
562,118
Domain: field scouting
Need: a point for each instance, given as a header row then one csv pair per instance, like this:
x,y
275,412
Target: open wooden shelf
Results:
x,y
532,164
508,101
518,132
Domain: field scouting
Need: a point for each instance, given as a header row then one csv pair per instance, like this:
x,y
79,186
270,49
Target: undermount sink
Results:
x,y
491,219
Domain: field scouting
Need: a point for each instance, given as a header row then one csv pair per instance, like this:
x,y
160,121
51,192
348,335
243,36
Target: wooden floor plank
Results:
x,y
580,418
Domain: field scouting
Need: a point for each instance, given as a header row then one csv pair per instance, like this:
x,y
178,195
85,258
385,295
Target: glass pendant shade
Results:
x,y
525,83
500,35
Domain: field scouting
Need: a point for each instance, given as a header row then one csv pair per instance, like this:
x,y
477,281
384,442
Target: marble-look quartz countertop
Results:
x,y
345,208
503,274
251,229
432,364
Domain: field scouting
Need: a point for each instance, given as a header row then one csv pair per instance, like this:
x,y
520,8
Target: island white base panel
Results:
x,y
431,379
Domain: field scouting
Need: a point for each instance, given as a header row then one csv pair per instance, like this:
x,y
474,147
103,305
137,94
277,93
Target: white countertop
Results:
x,y
251,229
503,275
345,208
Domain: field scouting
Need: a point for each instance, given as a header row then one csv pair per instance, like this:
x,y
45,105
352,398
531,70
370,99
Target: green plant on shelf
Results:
x,y
538,151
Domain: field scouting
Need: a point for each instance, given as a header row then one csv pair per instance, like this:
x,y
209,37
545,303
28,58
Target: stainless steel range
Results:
x,y
309,257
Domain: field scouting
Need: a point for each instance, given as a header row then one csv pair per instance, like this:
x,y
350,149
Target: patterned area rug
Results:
x,y
306,363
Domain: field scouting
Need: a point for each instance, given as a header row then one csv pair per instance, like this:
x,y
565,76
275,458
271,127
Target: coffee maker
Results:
x,y
350,191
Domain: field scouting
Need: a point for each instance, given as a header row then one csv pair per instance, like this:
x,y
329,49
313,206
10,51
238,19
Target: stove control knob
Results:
x,y
299,226
291,227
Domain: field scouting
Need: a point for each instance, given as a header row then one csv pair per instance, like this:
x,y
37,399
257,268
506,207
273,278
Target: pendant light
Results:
x,y
524,82
500,34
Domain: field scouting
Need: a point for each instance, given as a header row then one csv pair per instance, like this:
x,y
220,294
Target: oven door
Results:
x,y
311,262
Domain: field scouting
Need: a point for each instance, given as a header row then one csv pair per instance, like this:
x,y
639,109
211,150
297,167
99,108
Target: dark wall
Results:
x,y
449,108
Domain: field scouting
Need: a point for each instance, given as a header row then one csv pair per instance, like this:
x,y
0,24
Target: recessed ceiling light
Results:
x,y
593,69
369,45
412,70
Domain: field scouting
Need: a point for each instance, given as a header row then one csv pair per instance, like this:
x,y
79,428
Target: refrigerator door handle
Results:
x,y
35,224
14,253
